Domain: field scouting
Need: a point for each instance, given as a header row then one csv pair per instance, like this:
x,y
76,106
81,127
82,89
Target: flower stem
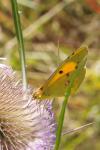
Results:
x,y
19,35
62,113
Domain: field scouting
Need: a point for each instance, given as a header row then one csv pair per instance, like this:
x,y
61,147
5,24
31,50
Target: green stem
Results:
x,y
19,35
62,113
61,119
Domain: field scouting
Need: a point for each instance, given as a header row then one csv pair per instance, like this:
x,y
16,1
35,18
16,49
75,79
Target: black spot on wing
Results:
x,y
76,66
41,88
67,74
61,71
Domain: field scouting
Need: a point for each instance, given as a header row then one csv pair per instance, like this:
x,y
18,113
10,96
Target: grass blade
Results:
x,y
19,35
78,128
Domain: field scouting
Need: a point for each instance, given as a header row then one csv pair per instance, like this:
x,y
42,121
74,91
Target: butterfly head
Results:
x,y
38,93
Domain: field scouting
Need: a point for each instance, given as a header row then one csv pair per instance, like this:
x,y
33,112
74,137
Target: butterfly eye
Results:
x,y
61,71
41,88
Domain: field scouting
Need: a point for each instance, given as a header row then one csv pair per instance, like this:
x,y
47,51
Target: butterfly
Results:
x,y
57,83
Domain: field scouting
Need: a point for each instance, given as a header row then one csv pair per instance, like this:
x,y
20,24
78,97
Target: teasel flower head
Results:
x,y
24,123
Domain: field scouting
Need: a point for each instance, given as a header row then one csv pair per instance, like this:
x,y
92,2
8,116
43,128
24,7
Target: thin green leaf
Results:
x,y
78,128
19,35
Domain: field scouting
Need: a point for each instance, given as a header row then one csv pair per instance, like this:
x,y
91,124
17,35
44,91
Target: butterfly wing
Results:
x,y
58,89
59,80
78,80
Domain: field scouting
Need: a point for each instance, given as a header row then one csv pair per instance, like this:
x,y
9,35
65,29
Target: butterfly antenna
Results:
x,y
58,58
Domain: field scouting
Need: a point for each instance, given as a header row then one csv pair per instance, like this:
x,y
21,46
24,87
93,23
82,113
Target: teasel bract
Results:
x,y
25,124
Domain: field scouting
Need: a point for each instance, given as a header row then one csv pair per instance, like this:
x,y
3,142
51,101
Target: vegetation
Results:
x,y
52,29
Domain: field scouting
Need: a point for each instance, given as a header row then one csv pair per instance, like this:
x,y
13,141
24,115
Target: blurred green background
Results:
x,y
52,30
